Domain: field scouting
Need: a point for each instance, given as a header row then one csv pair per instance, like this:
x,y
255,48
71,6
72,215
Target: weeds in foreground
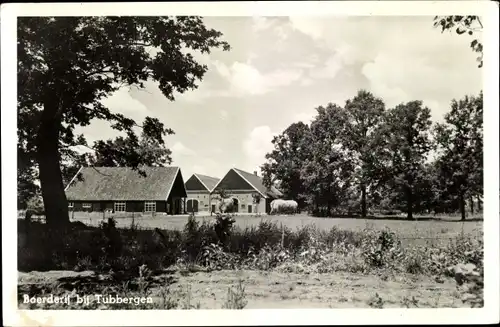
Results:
x,y
376,302
410,302
186,305
235,297
218,245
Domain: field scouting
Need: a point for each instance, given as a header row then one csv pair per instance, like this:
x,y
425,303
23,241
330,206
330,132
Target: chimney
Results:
x,y
255,172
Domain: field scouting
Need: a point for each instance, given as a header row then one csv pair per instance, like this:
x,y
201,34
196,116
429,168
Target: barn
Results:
x,y
123,189
199,194
241,186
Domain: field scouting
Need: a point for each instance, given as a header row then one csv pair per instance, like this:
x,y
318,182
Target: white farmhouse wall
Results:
x,y
204,202
245,199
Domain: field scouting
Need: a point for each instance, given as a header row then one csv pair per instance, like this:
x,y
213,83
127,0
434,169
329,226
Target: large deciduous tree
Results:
x,y
407,134
469,25
67,65
364,115
460,142
327,172
285,161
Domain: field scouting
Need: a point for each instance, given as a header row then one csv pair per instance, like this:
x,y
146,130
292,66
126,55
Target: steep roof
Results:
x,y
208,181
122,183
258,184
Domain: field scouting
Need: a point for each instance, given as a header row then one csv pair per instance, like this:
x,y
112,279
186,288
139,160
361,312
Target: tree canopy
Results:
x,y
362,157
285,162
364,116
67,65
460,142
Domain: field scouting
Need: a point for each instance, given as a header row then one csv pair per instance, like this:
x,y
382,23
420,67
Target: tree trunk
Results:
x,y
462,206
363,200
479,208
471,203
51,181
409,199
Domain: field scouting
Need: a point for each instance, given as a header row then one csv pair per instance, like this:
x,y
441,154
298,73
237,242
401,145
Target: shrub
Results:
x,y
381,250
223,226
214,258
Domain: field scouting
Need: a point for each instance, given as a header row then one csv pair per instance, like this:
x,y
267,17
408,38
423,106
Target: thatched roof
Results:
x,y
258,184
122,183
208,181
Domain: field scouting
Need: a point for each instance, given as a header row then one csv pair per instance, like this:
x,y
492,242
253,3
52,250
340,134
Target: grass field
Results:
x,y
423,231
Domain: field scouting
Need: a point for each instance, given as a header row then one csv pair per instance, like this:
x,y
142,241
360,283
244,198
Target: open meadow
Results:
x,y
256,262
423,230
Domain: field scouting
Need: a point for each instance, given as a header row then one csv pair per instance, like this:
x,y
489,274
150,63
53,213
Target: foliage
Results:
x,y
223,226
460,145
407,142
382,250
61,84
283,164
35,205
364,116
265,247
365,159
256,199
376,302
327,173
27,187
116,153
235,297
461,25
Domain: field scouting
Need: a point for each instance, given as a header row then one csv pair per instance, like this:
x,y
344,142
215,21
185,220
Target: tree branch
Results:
x,y
103,71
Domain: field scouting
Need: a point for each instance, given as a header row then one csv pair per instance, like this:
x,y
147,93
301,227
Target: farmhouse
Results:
x,y
241,186
124,190
199,194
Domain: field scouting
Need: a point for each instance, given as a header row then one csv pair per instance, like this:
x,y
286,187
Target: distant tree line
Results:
x,y
363,158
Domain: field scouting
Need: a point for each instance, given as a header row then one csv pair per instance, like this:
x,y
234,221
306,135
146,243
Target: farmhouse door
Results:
x,y
249,208
192,206
213,207
236,205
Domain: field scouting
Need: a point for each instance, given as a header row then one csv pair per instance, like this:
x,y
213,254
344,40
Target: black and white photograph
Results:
x,y
220,157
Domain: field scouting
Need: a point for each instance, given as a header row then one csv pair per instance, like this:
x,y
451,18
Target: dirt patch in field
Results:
x,y
273,290
278,290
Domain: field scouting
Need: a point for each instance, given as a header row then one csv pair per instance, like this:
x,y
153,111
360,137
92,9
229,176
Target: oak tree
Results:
x,y
284,163
327,172
407,134
460,141
67,65
364,115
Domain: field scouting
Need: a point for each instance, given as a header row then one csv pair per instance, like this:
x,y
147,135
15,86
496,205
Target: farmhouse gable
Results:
x,y
240,180
199,182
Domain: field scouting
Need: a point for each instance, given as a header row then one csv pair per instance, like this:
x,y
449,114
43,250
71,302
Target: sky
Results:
x,y
281,68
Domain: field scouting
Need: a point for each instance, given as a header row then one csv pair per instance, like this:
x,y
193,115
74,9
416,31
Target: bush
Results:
x,y
381,250
223,226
